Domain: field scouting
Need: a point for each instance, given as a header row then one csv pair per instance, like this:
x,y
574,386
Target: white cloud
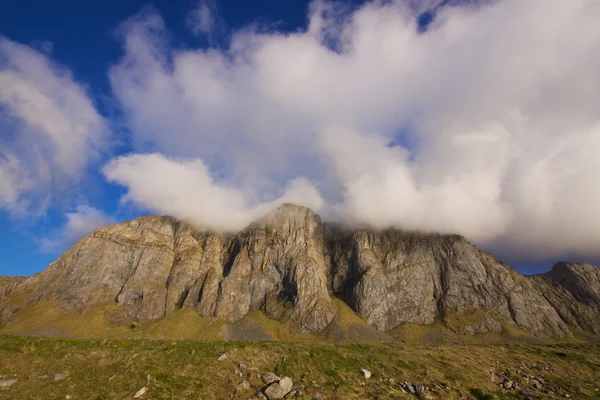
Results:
x,y
51,129
184,188
485,125
83,220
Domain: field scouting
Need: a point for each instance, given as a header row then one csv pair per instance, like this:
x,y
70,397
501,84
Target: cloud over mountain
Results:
x,y
487,124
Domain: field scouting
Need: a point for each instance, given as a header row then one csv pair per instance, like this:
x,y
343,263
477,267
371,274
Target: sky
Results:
x,y
480,118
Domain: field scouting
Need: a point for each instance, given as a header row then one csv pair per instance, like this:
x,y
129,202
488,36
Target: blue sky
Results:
x,y
82,35
436,115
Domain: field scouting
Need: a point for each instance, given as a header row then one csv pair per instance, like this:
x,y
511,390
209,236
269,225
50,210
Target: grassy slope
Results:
x,y
116,369
188,369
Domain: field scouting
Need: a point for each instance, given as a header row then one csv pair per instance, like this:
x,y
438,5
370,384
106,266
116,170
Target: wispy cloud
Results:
x,y
81,221
203,19
51,129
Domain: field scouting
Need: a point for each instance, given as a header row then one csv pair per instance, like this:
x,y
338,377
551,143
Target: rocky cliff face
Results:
x,y
289,263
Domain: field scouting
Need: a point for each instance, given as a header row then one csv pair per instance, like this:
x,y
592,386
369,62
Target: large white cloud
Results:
x,y
51,130
185,189
486,125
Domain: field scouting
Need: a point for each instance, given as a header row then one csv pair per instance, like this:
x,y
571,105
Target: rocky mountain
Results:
x,y
289,264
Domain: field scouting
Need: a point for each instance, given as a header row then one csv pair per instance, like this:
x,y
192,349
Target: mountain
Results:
x,y
291,266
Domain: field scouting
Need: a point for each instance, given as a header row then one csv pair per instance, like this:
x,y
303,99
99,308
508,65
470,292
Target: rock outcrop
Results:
x,y
392,277
289,263
573,290
7,283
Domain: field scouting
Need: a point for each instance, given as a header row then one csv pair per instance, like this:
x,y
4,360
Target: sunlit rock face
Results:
x,y
289,263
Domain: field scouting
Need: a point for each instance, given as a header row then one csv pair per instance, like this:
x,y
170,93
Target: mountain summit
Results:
x,y
289,263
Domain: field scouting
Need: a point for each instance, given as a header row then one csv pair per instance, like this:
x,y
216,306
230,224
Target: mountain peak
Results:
x,y
288,264
290,215
291,210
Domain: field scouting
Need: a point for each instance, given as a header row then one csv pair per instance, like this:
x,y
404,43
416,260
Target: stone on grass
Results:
x,y
530,394
61,377
366,373
4,383
140,393
244,385
269,378
222,357
278,390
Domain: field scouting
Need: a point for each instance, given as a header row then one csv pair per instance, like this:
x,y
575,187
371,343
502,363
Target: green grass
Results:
x,y
480,394
116,369
175,357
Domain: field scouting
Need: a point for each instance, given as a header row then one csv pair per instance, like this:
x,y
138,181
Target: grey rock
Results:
x,y
507,384
222,357
574,291
61,377
288,263
278,390
365,373
244,385
397,277
291,394
242,366
530,394
269,378
5,383
261,396
140,393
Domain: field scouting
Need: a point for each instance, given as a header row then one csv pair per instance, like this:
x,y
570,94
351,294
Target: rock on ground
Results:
x,y
269,378
278,390
140,393
4,383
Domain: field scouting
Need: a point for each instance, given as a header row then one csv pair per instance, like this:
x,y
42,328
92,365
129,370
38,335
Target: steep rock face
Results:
x,y
279,258
573,290
392,277
581,280
153,265
127,263
289,262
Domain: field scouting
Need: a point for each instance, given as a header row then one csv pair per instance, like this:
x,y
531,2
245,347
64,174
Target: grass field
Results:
x,y
176,358
117,369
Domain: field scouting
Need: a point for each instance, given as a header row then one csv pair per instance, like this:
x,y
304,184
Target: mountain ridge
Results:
x,y
289,263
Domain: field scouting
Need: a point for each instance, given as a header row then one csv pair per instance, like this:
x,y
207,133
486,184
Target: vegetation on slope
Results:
x,y
117,369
